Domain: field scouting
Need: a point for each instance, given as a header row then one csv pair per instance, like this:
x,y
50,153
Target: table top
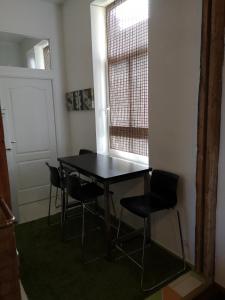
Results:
x,y
103,167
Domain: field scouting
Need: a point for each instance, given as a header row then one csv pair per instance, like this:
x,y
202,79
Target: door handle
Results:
x,y
8,149
3,110
13,142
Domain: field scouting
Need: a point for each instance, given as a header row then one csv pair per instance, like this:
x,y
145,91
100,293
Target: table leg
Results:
x,y
108,221
147,190
63,200
146,183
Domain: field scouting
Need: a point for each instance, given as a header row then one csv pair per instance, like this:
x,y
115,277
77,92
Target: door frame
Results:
x,y
208,144
24,73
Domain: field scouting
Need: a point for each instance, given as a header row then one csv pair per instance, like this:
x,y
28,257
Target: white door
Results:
x,y
28,110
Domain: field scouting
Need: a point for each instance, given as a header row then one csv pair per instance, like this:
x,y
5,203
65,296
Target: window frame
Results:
x,y
98,9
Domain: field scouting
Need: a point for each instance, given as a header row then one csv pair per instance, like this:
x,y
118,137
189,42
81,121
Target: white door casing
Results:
x,y
30,134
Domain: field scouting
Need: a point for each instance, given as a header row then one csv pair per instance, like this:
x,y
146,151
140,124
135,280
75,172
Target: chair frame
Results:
x,y
145,244
56,196
84,207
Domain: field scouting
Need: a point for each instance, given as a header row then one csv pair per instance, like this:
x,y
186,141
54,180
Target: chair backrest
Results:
x,y
165,184
54,176
85,151
73,187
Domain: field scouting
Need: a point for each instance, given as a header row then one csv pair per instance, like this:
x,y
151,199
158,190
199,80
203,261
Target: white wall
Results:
x,y
220,232
40,19
79,71
174,78
77,41
10,54
175,33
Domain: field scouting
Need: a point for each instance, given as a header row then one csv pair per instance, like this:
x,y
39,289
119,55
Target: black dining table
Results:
x,y
106,170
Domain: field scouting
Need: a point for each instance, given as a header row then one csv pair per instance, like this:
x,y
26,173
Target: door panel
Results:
x,y
33,180
29,110
32,174
31,195
30,107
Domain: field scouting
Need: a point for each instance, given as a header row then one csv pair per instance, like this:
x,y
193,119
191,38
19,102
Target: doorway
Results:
x,y
29,125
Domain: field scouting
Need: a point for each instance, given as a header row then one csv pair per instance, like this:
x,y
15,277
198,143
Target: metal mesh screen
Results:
x,y
127,52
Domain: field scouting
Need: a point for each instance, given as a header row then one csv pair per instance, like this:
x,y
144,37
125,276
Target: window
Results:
x,y
38,56
127,60
22,51
46,53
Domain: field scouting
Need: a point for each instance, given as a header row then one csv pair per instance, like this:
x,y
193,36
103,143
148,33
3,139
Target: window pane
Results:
x,y
119,100
26,52
127,44
139,91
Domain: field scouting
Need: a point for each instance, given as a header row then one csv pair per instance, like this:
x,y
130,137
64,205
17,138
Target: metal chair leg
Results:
x,y
119,223
127,237
181,239
49,205
62,204
56,198
63,213
113,207
170,278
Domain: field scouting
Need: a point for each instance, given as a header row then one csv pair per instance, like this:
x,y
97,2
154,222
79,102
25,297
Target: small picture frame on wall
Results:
x,y
80,100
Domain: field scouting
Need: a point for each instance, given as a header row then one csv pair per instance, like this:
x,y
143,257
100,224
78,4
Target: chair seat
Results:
x,y
83,181
143,205
90,191
162,196
73,204
81,190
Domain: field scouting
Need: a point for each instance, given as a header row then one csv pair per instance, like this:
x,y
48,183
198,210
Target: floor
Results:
x,y
23,294
52,269
156,296
212,293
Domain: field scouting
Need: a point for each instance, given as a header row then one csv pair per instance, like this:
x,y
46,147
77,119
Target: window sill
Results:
x,y
138,159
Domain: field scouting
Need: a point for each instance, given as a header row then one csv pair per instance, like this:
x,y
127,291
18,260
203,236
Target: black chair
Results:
x,y
83,196
87,151
83,152
162,195
57,182
69,170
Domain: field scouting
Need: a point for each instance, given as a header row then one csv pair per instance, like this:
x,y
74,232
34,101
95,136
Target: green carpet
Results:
x,y
52,269
156,296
